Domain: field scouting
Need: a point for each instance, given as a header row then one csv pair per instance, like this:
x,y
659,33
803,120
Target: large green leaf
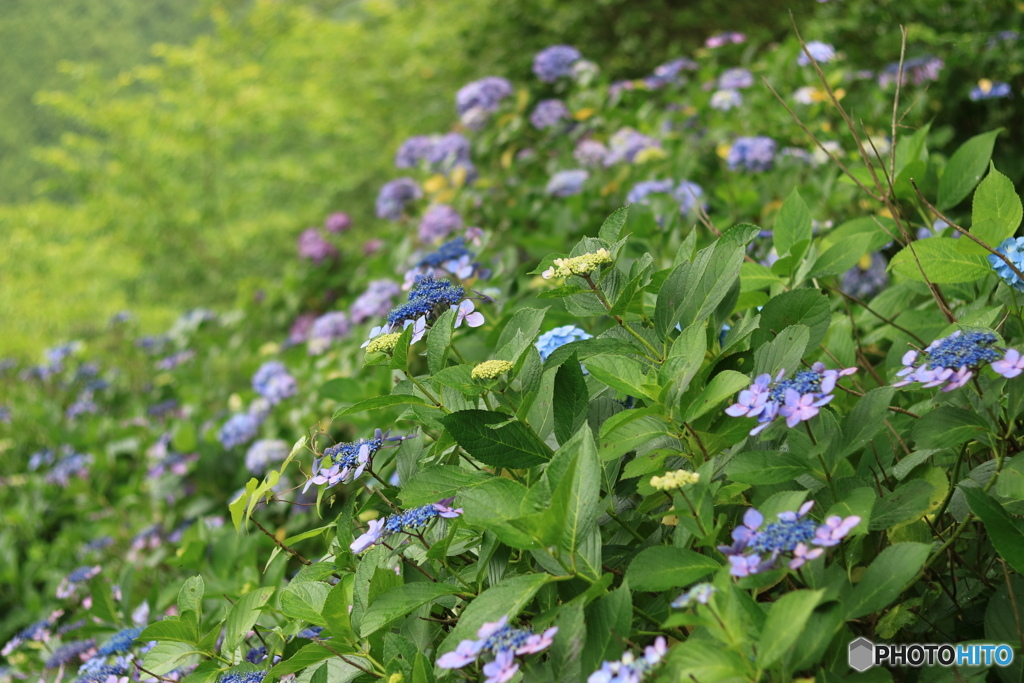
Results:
x,y
767,467
612,226
792,223
808,307
435,482
580,487
965,168
786,621
496,439
885,578
243,615
439,341
662,567
305,601
1004,530
571,400
942,260
399,601
841,256
378,402
947,427
782,353
996,213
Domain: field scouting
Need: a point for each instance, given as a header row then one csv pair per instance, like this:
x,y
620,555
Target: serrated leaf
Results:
x,y
310,654
190,596
305,601
947,427
808,307
721,387
171,629
885,578
611,229
571,399
754,276
996,213
243,615
965,168
782,353
866,419
399,601
841,256
941,259
166,656
496,439
435,482
767,467
662,567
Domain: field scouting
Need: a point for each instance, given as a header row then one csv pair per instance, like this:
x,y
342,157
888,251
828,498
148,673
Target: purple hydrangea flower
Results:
x,y
952,360
590,153
273,382
263,453
797,399
69,465
313,246
670,73
821,52
555,62
438,222
567,183
917,71
722,39
241,428
74,652
642,190
701,593
626,144
689,195
548,114
484,95
735,79
375,301
631,669
752,153
415,518
395,196
338,222
326,330
504,642
467,313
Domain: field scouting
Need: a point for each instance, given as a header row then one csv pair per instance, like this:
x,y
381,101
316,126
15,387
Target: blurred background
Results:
x,y
163,155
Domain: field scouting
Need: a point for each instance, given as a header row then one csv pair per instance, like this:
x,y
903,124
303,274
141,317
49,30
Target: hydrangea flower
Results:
x,y
670,73
467,313
438,222
76,651
338,222
721,39
797,399
484,95
675,480
119,643
345,462
37,631
701,593
752,153
1013,249
555,62
439,153
243,677
559,336
724,100
175,359
953,360
867,278
71,464
325,330
639,193
415,518
264,452
491,369
689,195
821,52
313,246
376,301
584,264
272,382
451,258
917,71
82,405
394,196
589,153
548,114
756,549
504,642
631,669
735,79
567,183
241,428
97,670
428,297
627,144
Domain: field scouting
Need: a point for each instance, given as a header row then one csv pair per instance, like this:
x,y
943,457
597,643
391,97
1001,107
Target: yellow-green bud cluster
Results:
x,y
385,342
491,369
577,265
675,480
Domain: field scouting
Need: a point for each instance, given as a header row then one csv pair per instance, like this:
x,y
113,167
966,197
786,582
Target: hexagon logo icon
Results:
x,y
861,655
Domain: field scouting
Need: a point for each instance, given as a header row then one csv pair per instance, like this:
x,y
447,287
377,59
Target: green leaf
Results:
x,y
786,620
625,431
496,439
378,402
913,148
947,427
190,596
996,213
620,373
341,389
767,467
507,598
841,256
435,482
166,656
754,276
571,400
714,271
612,226
866,419
885,578
965,168
792,224
103,605
782,353
580,488
400,356
439,341
671,297
493,506
305,601
706,662
808,307
243,615
526,321
1004,530
662,567
171,629
310,654
906,503
608,621
942,260
722,386
238,506
399,601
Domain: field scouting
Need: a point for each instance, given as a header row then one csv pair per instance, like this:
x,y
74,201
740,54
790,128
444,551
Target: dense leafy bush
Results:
x,y
716,435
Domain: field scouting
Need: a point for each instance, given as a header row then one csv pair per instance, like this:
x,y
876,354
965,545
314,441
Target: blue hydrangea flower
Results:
x,y
567,183
416,518
689,195
1013,249
243,677
590,153
327,329
555,62
626,144
701,593
439,221
917,71
484,95
428,297
735,79
175,359
724,100
952,360
865,280
120,642
822,53
560,336
752,153
394,196
504,642
241,428
97,671
631,669
642,190
69,465
670,73
36,631
376,301
548,114
438,153
264,452
273,382
69,653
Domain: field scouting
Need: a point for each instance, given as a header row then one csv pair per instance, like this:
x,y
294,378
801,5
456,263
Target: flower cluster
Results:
x,y
675,480
325,330
344,462
819,51
439,221
559,336
428,298
752,153
119,643
272,382
567,183
867,278
670,73
263,453
241,428
312,245
630,146
504,642
383,343
548,114
687,194
724,100
953,360
38,631
755,549
722,39
797,399
701,593
917,71
175,359
589,153
394,196
375,301
631,669
491,369
70,583
584,264
989,90
417,518
1013,249
438,153
338,222
70,464
555,62
735,79
243,677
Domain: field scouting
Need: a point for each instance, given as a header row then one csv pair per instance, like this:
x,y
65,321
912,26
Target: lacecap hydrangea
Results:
x,y
953,360
394,196
797,399
411,520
